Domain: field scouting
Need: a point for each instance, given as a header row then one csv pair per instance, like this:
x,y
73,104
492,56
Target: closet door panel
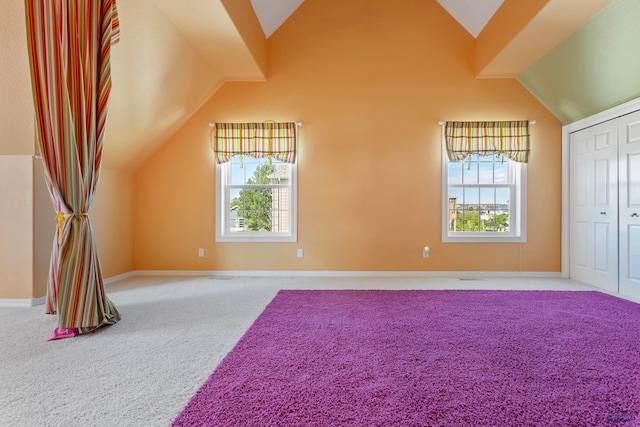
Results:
x,y
594,206
581,232
629,188
633,180
580,240
634,255
602,249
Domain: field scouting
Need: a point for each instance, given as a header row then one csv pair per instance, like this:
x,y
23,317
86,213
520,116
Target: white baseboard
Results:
x,y
112,279
32,302
22,303
301,273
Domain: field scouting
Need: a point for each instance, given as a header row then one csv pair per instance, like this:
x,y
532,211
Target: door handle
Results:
x,y
603,213
634,215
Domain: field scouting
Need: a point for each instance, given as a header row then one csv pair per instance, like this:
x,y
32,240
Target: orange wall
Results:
x,y
112,221
370,81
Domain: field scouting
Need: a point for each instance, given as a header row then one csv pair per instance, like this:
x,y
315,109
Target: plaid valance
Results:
x,y
510,139
260,140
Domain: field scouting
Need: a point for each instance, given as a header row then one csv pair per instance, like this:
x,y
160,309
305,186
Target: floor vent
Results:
x,y
221,278
471,279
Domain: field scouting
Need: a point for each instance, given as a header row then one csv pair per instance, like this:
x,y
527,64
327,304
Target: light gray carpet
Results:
x,y
173,333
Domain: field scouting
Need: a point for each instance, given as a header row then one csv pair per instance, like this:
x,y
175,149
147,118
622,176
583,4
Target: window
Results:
x,y
256,200
256,181
484,200
484,178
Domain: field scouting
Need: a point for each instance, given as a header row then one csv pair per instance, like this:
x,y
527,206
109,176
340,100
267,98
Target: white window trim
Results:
x,y
223,233
518,211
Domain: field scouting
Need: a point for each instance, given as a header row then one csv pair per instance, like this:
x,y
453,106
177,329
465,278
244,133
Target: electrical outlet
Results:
x,y
425,252
300,252
200,252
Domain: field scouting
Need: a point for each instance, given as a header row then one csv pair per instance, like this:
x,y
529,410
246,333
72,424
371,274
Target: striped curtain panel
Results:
x,y
510,139
259,140
69,44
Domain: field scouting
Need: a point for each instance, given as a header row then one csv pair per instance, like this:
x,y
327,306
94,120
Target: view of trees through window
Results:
x,y
259,195
486,220
254,205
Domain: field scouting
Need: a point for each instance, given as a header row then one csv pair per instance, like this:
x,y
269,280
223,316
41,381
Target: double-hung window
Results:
x,y
256,179
485,181
256,200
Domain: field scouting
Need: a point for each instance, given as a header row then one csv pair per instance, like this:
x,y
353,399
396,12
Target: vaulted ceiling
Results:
x,y
473,15
174,55
582,73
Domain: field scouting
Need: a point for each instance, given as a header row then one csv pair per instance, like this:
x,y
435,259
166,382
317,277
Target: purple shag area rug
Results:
x,y
429,358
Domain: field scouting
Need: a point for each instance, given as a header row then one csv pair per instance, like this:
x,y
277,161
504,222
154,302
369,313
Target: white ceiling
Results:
x,y
272,13
473,15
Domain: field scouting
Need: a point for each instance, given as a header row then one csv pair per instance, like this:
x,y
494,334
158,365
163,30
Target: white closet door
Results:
x,y
594,206
629,134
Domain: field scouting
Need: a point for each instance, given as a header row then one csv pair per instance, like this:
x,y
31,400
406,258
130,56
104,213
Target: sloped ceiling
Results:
x,y
590,70
595,68
174,55
473,15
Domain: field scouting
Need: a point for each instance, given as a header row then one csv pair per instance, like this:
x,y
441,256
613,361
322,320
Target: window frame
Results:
x,y
517,208
223,200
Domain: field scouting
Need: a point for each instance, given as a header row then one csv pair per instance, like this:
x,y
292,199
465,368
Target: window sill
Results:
x,y
256,239
484,239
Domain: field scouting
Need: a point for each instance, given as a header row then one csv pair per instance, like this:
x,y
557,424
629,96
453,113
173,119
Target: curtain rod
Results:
x,y
213,124
531,122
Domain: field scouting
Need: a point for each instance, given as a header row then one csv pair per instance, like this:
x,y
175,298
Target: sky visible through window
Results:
x,y
478,172
242,171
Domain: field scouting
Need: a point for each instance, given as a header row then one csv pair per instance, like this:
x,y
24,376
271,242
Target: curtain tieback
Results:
x,y
60,218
